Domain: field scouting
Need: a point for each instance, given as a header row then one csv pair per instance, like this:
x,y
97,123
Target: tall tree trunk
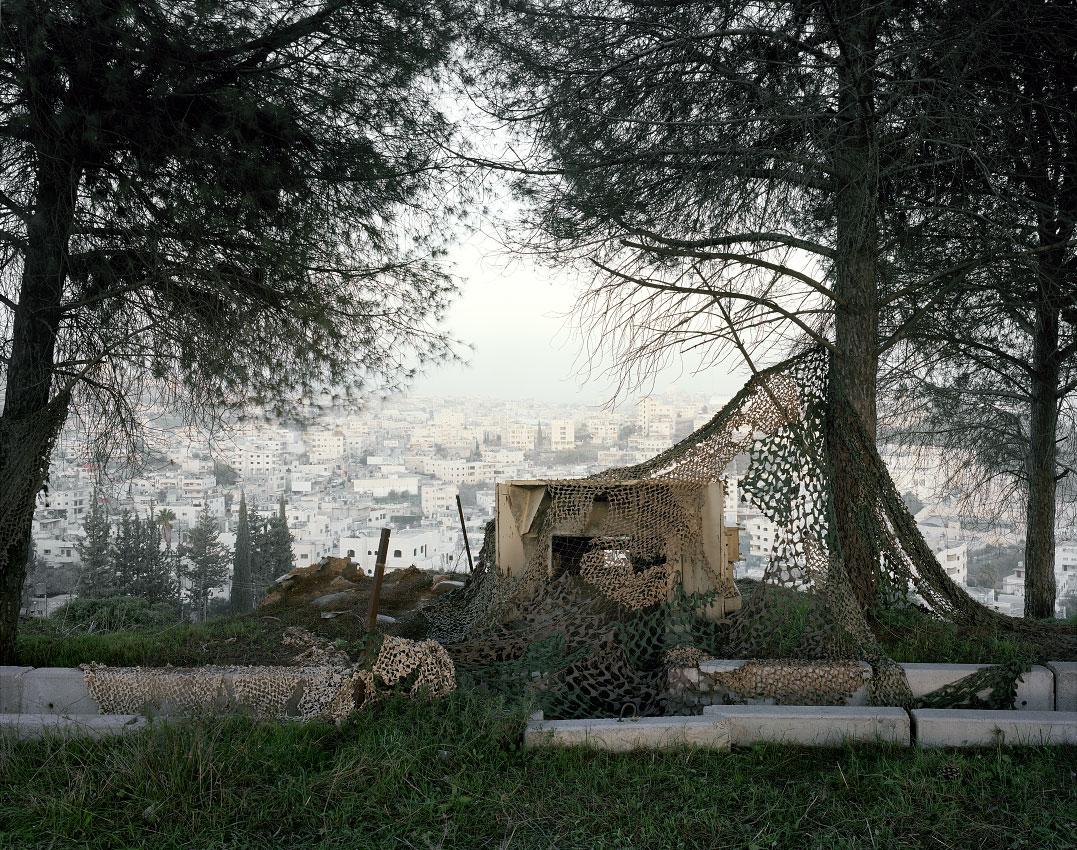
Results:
x,y
29,423
1041,465
854,369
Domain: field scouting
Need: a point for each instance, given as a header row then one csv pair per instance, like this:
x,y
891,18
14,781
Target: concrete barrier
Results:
x,y
626,735
813,725
1065,673
30,726
11,689
56,690
956,727
1035,692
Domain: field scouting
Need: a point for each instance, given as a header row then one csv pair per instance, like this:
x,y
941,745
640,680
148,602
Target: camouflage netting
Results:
x,y
602,610
323,683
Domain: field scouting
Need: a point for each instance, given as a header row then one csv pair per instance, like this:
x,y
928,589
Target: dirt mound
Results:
x,y
338,586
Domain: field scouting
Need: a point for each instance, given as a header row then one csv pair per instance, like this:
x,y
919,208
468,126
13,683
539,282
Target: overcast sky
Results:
x,y
513,312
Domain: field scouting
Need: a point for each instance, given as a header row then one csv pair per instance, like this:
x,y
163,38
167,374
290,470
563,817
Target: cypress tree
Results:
x,y
242,586
279,543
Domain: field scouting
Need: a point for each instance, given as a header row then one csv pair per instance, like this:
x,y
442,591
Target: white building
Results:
x,y
324,446
562,434
253,460
438,498
56,552
653,418
520,436
913,472
763,532
425,549
1065,568
379,488
605,428
955,560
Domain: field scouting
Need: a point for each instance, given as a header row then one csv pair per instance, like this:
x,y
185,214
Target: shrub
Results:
x,y
114,614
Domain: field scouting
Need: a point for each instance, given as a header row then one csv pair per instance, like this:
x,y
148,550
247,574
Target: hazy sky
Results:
x,y
513,312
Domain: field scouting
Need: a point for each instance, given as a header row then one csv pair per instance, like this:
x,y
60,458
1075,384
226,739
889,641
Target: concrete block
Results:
x,y
1035,692
32,726
646,733
962,727
1065,673
56,690
11,689
717,666
813,725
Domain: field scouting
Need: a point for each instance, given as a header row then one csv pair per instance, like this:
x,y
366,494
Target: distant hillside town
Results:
x,y
403,463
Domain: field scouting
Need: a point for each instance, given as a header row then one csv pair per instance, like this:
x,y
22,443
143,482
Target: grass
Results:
x,y
247,639
908,636
452,774
911,635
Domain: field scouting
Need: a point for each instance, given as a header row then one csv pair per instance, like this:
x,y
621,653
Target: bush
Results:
x,y
114,614
219,606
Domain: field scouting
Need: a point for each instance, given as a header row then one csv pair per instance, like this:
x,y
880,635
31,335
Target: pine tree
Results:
x,y
126,555
184,186
242,588
97,579
156,580
205,565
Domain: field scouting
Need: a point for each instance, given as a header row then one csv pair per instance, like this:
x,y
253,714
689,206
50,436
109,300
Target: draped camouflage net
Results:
x,y
322,683
605,605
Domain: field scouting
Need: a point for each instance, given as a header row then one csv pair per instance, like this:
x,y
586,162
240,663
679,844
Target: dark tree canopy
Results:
x,y
988,373
743,174
209,204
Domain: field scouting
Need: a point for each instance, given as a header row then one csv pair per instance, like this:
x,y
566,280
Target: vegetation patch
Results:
x,y
452,773
910,635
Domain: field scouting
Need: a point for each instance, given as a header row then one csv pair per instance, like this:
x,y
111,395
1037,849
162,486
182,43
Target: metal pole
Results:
x,y
463,527
379,572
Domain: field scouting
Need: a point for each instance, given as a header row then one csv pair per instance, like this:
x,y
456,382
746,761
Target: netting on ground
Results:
x,y
617,580
321,683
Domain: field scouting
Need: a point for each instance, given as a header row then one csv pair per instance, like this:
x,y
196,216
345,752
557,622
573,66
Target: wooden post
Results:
x,y
375,595
379,573
463,528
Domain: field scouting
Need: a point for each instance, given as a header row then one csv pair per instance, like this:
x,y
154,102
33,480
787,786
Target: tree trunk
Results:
x,y
30,423
1041,466
854,369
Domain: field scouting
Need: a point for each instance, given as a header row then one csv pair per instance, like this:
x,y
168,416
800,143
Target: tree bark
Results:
x,y
854,369
1041,465
29,422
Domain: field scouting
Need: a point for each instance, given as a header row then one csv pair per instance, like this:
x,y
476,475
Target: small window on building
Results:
x,y
351,553
397,553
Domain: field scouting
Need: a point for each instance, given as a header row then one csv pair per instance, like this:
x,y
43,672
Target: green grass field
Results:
x,y
451,773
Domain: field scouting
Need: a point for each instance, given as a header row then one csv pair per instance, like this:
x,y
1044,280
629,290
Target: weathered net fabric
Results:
x,y
323,683
599,615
